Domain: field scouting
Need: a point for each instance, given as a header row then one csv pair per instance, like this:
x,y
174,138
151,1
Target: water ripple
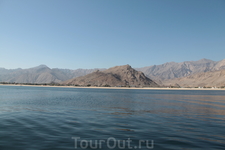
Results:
x,y
48,118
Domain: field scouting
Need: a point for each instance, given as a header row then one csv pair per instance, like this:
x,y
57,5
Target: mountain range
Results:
x,y
172,70
202,79
41,74
164,74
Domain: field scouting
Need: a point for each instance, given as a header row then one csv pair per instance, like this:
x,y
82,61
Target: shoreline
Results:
x,y
91,87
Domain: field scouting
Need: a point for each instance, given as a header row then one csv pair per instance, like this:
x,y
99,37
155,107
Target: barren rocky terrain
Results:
x,y
115,76
203,72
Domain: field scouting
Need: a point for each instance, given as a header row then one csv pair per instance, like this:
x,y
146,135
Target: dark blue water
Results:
x,y
45,118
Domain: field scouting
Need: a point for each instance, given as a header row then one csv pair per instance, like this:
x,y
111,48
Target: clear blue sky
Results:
x,y
105,33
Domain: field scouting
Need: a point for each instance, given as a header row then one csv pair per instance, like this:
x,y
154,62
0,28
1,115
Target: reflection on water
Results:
x,y
48,118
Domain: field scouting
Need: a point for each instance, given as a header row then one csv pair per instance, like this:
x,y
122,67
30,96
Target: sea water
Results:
x,y
54,118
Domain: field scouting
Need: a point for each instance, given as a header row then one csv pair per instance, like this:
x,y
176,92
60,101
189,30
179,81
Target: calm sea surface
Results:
x,y
45,118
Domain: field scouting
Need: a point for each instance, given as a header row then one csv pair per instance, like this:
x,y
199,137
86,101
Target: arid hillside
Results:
x,y
115,76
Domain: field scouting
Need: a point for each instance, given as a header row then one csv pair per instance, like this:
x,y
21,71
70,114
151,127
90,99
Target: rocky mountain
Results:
x,y
115,76
159,73
172,70
203,79
40,74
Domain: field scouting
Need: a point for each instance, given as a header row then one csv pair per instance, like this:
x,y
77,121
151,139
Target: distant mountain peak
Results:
x,y
123,67
42,66
205,60
128,66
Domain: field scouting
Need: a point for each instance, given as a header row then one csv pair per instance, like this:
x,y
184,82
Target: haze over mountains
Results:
x,y
41,74
164,74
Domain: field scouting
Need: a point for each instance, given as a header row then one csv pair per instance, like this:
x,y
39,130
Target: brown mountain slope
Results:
x,y
115,76
203,79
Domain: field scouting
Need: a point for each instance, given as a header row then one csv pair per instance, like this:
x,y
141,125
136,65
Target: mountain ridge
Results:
x,y
41,74
159,73
203,79
172,70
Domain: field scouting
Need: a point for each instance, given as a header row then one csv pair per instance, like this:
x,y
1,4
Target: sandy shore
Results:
x,y
145,88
